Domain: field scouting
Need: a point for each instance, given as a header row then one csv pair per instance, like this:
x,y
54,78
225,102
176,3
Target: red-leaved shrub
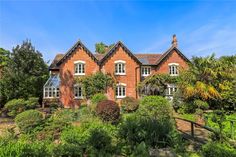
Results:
x,y
108,110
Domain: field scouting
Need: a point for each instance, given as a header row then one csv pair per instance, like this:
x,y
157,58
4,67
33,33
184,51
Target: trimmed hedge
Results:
x,y
108,110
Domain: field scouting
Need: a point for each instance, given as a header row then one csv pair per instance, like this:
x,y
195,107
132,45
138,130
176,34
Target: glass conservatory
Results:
x,y
51,87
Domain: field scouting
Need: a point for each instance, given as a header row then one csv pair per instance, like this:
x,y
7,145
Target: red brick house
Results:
x,y
128,69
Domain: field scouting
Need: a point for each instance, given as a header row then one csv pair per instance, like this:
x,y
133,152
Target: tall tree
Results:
x,y
102,48
4,57
25,75
210,79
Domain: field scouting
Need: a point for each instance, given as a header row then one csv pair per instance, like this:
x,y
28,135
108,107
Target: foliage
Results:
x,y
218,118
156,84
28,120
32,103
156,106
102,48
96,83
95,100
16,106
187,107
214,149
98,98
93,138
137,128
211,80
25,74
201,104
108,110
4,57
226,123
55,124
129,104
22,149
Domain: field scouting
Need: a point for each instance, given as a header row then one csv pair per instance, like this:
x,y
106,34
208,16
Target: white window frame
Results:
x,y
173,69
51,92
146,70
120,91
120,67
171,89
80,65
79,96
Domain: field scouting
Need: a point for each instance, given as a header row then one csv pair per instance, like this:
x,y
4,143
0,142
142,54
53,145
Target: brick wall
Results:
x,y
68,78
132,76
174,57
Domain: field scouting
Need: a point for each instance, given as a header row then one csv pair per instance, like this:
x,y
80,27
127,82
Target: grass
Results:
x,y
191,117
227,127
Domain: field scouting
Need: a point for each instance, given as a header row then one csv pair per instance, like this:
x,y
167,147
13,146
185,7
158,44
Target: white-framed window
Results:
x,y
120,67
171,89
78,93
174,69
51,92
146,70
79,67
121,90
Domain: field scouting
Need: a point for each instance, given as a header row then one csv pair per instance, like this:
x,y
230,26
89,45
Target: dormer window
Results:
x,y
146,71
120,67
173,69
79,67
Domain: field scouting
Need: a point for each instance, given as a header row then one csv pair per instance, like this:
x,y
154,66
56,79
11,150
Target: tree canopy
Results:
x,y
102,48
25,74
210,79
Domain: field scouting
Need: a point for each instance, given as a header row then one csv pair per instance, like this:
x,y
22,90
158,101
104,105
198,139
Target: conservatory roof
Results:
x,y
53,81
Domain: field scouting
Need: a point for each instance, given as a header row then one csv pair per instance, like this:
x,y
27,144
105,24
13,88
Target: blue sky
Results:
x,y
202,27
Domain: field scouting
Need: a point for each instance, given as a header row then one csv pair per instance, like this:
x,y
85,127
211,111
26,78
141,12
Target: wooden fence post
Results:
x,y
192,129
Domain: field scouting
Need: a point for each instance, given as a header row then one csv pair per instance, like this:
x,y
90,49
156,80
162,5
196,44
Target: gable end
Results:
x,y
71,50
168,53
113,49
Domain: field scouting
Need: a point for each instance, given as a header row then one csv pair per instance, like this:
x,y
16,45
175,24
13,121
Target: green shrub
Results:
x,y
218,150
108,110
28,120
99,142
187,107
24,149
98,98
203,105
154,132
129,104
15,106
93,138
58,121
156,106
32,103
95,100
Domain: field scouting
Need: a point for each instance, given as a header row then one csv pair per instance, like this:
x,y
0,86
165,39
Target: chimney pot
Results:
x,y
174,41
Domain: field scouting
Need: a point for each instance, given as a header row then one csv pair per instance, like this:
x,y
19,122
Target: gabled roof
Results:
x,y
112,50
71,50
168,52
148,59
144,59
53,65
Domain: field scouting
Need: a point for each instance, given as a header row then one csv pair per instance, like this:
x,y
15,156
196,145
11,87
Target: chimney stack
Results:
x,y
174,41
